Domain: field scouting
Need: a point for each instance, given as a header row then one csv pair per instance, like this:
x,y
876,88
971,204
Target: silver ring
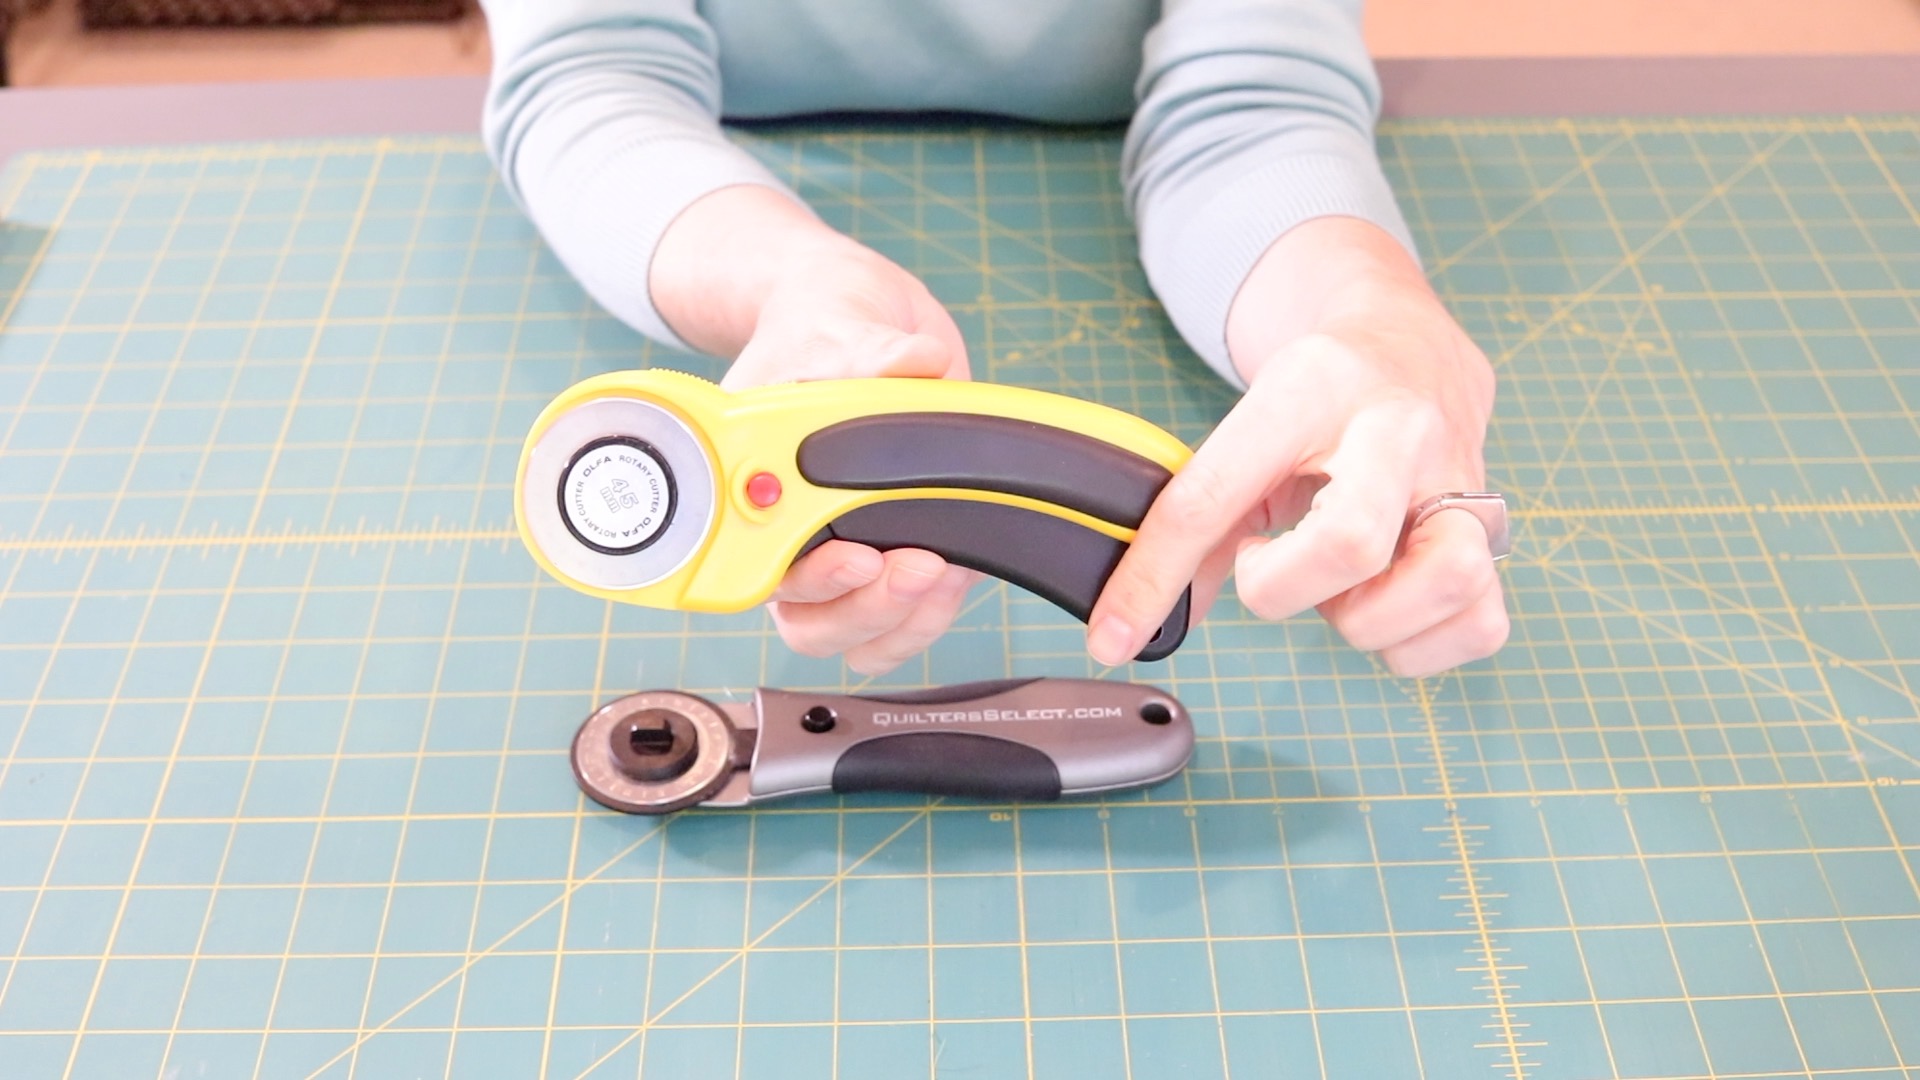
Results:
x,y
1489,506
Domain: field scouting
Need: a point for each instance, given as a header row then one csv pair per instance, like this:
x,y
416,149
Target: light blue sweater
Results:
x,y
1246,117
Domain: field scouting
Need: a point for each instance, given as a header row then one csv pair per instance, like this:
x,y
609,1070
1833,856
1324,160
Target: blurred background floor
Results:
x,y
50,48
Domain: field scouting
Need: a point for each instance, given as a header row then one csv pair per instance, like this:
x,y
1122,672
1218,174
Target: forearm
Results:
x,y
1256,116
603,118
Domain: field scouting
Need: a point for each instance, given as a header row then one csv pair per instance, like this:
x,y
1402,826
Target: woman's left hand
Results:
x,y
1365,398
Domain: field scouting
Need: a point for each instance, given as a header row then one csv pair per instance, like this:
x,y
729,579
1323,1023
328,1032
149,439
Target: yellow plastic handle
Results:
x,y
753,443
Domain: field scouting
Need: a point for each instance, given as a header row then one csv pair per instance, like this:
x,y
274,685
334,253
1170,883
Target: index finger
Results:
x,y
1260,442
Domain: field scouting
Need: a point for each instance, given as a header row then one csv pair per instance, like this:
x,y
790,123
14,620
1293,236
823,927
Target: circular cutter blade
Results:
x,y
603,766
618,493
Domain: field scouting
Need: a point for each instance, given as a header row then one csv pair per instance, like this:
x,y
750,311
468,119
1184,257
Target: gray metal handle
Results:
x,y
1029,740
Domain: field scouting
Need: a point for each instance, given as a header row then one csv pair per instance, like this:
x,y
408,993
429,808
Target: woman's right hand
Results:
x,y
812,304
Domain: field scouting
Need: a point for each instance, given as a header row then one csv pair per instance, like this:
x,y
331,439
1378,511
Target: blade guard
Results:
x,y
724,490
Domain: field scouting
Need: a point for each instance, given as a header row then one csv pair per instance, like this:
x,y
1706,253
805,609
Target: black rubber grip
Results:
x,y
985,453
1053,558
948,763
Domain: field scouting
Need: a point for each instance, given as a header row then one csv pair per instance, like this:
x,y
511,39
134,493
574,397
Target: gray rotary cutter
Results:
x,y
659,751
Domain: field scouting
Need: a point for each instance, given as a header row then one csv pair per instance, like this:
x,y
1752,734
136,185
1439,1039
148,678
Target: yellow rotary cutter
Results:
x,y
661,489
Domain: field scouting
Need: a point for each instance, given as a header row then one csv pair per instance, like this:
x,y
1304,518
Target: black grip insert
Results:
x,y
956,763
1058,560
985,453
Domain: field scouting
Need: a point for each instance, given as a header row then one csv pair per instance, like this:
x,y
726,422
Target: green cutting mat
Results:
x,y
283,704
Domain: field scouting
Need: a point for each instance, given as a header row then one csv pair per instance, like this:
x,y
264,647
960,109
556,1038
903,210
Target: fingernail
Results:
x,y
908,582
1111,642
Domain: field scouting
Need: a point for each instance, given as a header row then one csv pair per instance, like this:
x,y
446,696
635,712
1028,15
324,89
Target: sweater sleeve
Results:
x,y
1254,116
602,117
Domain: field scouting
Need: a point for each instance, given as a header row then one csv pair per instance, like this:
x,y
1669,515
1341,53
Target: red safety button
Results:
x,y
763,489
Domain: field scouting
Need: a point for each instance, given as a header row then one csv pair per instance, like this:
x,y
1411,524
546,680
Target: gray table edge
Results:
x,y
56,118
